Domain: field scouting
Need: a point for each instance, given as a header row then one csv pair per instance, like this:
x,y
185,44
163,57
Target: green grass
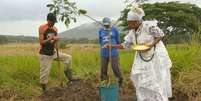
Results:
x,y
186,70
21,73
184,57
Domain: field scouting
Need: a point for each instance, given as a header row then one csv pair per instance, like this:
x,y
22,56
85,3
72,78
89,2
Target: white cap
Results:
x,y
135,14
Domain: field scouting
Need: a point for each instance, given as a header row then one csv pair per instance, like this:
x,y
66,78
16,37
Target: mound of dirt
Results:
x,y
82,90
77,91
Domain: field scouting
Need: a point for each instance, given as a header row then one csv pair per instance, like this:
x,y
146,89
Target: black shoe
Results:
x,y
69,75
44,88
120,82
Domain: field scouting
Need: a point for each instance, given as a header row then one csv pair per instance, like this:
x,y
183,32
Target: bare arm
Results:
x,y
156,40
41,37
118,46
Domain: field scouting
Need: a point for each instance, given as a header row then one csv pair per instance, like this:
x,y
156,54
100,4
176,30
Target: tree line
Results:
x,y
180,21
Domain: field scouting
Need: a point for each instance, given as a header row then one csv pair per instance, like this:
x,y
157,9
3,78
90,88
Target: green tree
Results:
x,y
3,39
65,10
181,17
179,20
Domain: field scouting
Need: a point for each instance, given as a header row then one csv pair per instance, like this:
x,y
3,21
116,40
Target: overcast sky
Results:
x,y
22,17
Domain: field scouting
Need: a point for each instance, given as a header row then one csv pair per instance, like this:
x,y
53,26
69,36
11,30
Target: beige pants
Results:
x,y
46,63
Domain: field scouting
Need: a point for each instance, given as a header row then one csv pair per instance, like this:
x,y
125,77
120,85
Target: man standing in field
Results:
x,y
109,34
48,38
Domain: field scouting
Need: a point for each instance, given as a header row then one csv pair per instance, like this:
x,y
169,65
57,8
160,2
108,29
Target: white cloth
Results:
x,y
135,14
151,79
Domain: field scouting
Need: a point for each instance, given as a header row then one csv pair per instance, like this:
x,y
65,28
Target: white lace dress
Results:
x,y
151,79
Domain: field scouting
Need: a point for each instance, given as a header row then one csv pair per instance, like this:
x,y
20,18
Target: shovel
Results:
x,y
59,76
109,91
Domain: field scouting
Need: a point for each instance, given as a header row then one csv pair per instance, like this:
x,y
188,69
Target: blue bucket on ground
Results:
x,y
109,93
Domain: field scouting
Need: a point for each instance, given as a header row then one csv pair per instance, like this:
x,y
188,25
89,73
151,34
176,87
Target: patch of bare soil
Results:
x,y
9,95
86,91
83,90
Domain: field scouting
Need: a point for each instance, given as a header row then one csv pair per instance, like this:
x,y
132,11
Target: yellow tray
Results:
x,y
140,47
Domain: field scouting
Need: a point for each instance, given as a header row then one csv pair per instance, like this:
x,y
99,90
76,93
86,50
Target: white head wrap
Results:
x,y
135,14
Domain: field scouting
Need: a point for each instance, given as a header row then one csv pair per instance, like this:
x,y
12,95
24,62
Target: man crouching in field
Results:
x,y
48,38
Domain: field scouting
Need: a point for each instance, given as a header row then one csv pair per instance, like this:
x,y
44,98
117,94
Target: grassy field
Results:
x,y
19,68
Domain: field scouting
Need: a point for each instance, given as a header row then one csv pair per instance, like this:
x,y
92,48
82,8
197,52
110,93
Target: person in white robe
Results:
x,y
150,72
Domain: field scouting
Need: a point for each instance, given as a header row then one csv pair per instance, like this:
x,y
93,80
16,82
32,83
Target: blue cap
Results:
x,y
106,21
